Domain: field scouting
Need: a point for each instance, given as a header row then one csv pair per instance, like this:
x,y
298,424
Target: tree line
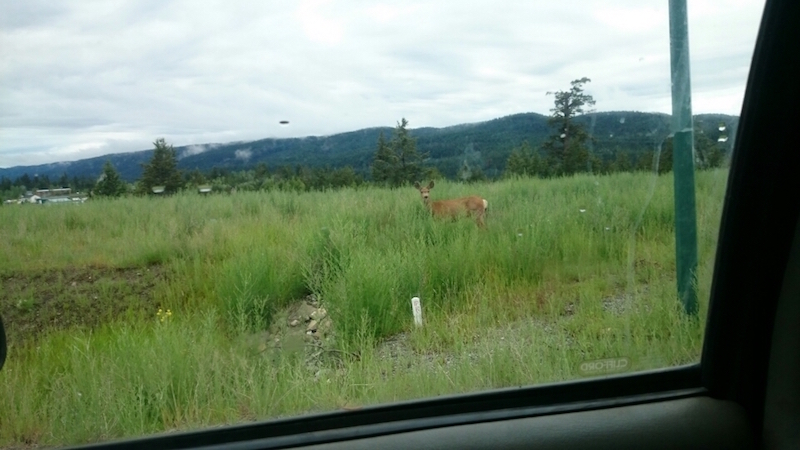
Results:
x,y
396,162
567,151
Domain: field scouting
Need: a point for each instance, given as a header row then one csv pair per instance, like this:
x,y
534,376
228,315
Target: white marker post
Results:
x,y
416,308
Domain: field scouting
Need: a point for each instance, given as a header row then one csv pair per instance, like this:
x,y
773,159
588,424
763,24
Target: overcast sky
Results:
x,y
82,78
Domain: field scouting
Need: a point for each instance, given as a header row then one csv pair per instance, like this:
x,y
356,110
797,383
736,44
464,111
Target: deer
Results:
x,y
473,205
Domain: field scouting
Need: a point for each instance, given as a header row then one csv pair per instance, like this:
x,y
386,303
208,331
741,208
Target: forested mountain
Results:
x,y
484,145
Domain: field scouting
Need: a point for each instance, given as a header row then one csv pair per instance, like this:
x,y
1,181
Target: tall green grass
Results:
x,y
566,271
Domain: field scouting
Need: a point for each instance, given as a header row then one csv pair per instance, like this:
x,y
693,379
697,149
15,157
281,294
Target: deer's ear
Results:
x,y
430,185
416,184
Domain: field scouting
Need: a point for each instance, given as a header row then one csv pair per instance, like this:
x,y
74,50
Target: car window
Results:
x,y
248,211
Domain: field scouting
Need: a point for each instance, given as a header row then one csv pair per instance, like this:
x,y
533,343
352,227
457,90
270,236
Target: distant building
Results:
x,y
58,195
44,193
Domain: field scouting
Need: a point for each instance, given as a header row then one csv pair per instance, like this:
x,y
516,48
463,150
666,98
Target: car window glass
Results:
x,y
238,212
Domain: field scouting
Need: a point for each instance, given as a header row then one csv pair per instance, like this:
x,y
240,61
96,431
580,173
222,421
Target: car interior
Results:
x,y
745,391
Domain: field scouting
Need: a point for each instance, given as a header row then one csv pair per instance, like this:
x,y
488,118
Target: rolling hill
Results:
x,y
485,144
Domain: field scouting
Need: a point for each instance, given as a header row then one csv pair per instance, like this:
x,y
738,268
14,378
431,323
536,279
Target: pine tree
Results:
x,y
162,170
110,184
622,161
196,178
709,154
24,181
516,165
566,148
524,161
665,157
397,162
384,163
409,159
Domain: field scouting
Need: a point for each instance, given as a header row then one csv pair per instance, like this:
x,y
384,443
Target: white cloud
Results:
x,y
386,13
80,80
639,19
192,150
244,154
317,25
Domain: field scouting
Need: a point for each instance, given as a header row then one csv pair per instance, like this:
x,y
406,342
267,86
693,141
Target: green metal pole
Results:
x,y
683,157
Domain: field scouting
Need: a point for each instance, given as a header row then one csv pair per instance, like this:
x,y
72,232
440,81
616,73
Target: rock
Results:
x,y
319,314
294,323
312,326
324,326
304,312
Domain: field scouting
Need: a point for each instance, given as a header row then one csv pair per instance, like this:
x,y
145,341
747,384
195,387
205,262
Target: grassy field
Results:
x,y
144,315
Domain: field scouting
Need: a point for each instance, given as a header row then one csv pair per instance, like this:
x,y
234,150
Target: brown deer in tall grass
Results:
x,y
473,206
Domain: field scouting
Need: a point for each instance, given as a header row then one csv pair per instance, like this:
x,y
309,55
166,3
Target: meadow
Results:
x,y
145,315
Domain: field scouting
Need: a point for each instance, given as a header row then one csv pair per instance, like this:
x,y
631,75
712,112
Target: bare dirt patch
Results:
x,y
35,302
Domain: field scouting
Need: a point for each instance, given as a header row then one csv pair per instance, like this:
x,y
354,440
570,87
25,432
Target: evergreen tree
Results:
x,y
196,178
262,171
566,147
43,182
709,154
665,157
24,181
162,170
644,162
397,162
384,163
284,172
715,158
516,165
405,147
622,162
345,177
110,184
524,161
431,173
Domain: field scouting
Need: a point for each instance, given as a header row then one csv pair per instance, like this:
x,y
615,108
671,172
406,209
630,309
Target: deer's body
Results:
x,y
473,206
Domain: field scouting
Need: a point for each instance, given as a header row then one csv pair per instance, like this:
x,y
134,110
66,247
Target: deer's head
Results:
x,y
425,192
